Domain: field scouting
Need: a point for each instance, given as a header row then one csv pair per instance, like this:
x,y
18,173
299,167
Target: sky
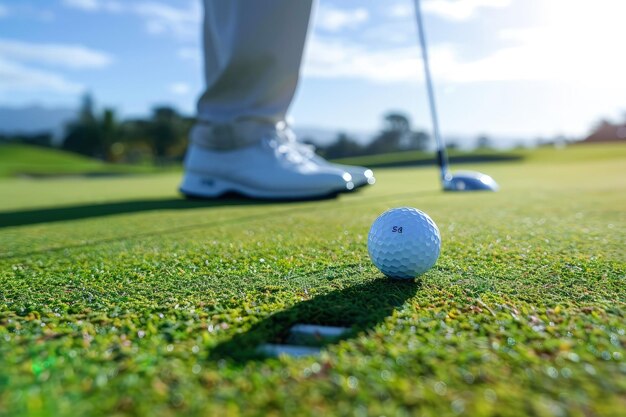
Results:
x,y
505,68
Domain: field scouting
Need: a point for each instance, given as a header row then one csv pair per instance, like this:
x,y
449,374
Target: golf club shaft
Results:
x,y
442,156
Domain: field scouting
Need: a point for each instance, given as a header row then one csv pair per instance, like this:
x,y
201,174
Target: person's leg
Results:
x,y
252,56
253,52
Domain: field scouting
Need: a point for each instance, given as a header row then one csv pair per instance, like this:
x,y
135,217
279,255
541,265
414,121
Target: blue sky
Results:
x,y
522,68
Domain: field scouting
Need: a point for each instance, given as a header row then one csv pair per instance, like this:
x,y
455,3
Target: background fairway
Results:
x,y
34,161
119,298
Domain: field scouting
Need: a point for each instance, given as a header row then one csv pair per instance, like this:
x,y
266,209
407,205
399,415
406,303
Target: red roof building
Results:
x,y
607,132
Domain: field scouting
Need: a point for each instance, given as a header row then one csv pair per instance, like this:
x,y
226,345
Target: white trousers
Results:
x,y
252,55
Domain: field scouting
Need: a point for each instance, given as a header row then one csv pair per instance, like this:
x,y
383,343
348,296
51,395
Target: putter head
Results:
x,y
469,181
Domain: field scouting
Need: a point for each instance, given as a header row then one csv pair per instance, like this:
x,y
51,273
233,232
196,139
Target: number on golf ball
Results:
x,y
404,243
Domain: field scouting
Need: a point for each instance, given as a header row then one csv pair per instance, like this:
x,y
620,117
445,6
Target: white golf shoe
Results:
x,y
270,169
360,175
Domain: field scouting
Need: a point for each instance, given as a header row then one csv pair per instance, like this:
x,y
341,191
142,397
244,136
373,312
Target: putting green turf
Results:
x,y
119,298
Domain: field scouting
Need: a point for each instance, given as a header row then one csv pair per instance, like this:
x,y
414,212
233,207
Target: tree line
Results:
x,y
162,137
395,135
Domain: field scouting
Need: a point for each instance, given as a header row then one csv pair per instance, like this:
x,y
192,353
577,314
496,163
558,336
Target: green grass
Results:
x,y
118,298
420,158
33,161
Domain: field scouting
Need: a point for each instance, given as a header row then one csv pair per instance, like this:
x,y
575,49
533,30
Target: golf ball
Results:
x,y
404,243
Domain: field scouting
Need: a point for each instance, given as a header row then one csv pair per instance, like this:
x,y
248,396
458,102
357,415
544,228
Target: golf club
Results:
x,y
461,181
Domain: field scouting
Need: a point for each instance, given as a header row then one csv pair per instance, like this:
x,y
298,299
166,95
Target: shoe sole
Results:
x,y
198,186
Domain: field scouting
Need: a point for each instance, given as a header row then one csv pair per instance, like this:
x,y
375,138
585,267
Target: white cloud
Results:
x,y
400,10
334,58
333,20
88,5
4,11
559,49
389,32
21,66
160,18
15,77
556,50
113,6
180,88
461,9
66,56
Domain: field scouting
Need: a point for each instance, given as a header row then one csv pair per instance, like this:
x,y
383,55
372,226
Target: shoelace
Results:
x,y
286,147
288,137
305,152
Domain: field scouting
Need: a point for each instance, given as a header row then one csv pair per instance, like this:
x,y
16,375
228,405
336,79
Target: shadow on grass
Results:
x,y
35,175
55,214
85,211
359,307
454,159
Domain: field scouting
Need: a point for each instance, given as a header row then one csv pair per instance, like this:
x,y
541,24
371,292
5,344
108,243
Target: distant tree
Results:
x,y
397,122
112,135
38,139
386,141
395,126
134,144
86,113
92,134
84,135
417,141
483,142
163,129
397,135
342,147
520,145
601,124
167,130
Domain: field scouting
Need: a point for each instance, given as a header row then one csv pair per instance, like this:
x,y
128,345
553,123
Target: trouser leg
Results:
x,y
252,55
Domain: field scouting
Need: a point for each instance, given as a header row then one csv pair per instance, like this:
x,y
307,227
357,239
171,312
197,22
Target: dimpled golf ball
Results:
x,y
404,243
